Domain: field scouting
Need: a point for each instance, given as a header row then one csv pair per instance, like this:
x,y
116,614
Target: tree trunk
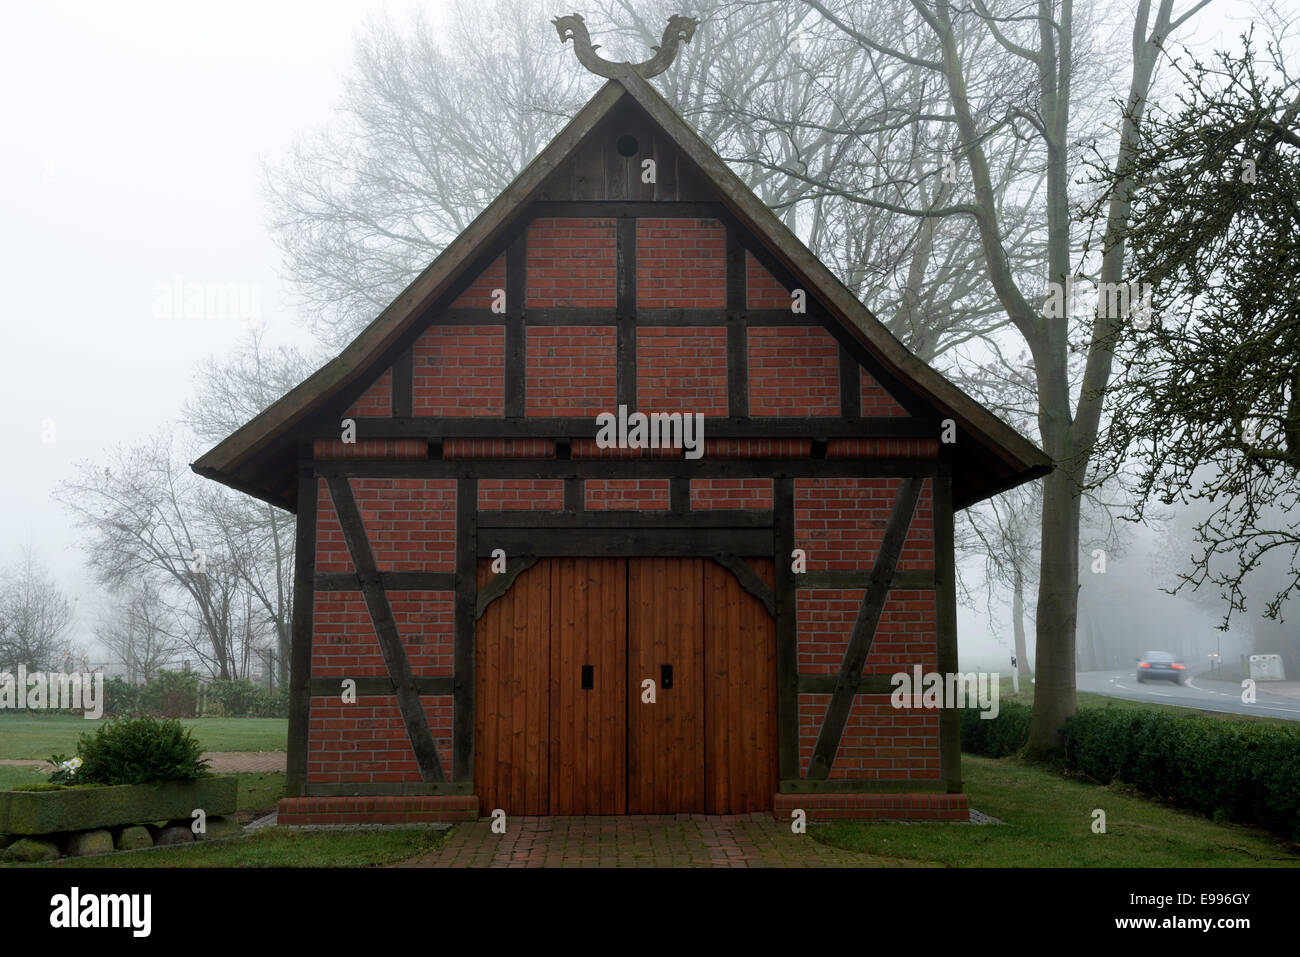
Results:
x,y
1058,604
1018,625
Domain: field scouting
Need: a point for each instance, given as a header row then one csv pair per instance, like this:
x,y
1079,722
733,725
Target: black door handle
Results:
x,y
588,677
665,676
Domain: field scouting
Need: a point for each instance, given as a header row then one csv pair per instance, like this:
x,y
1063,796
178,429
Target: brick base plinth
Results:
x,y
876,807
360,809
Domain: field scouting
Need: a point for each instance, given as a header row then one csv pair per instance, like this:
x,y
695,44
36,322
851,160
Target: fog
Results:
x,y
131,155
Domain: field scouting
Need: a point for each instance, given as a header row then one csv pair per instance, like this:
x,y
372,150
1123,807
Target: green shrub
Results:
x,y
120,697
138,751
171,694
1245,771
996,737
243,699
278,703
1228,770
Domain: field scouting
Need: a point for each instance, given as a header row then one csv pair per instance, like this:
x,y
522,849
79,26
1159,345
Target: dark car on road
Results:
x,y
1161,666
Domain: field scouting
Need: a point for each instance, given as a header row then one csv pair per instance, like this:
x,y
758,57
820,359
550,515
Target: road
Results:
x,y
1197,693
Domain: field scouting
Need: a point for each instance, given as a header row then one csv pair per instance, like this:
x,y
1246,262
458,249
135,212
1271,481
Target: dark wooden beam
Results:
x,y
625,307
784,317
679,499
749,580
304,573
390,642
850,386
584,427
516,360
901,394
737,330
671,316
945,601
864,630
632,542
657,518
643,468
603,209
787,631
403,384
500,583
574,497
570,316
467,316
826,684
657,316
466,614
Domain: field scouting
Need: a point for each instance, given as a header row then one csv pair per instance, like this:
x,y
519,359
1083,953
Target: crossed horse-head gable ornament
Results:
x,y
680,29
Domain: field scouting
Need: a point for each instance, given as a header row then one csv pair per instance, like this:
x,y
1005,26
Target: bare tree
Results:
x,y
258,537
815,125
430,130
148,519
35,616
141,629
1039,37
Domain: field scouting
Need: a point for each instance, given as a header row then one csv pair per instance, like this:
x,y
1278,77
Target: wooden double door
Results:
x,y
626,686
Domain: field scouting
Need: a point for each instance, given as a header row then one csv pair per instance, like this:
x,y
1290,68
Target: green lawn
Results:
x,y
277,847
260,792
11,776
33,735
1049,824
272,847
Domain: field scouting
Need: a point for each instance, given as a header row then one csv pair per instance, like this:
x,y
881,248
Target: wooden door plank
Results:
x,y
511,743
539,612
666,739
588,768
613,638
740,703
562,705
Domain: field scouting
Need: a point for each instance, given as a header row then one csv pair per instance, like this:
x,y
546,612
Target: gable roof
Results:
x,y
261,457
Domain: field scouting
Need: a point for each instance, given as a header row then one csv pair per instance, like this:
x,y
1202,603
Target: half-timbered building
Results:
x,y
493,610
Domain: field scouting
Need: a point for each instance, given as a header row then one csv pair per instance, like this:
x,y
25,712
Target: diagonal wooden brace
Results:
x,y
864,630
390,642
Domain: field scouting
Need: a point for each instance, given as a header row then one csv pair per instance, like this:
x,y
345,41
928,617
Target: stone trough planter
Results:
x,y
24,813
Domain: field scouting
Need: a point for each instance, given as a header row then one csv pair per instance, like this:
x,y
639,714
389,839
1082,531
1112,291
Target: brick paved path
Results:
x,y
684,840
260,762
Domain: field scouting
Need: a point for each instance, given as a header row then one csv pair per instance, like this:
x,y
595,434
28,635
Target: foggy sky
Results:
x,y
130,155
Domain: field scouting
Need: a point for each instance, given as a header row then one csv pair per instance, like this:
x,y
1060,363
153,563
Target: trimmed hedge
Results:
x,y
1240,770
995,737
1236,770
